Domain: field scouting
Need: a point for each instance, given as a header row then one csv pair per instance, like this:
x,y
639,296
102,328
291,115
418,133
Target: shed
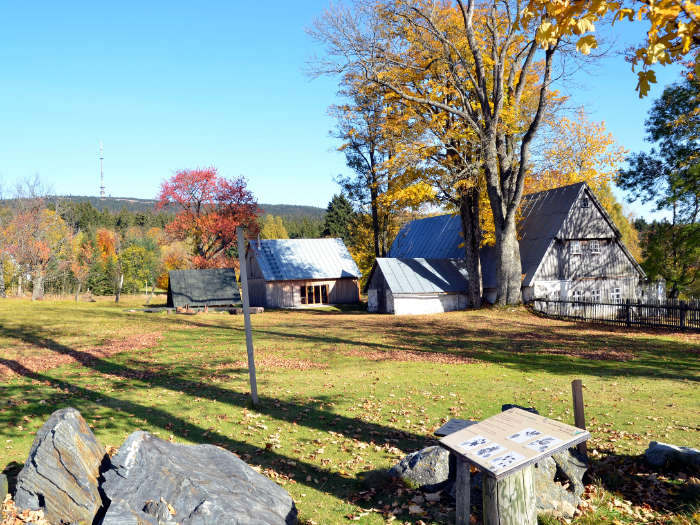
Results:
x,y
210,287
300,273
417,286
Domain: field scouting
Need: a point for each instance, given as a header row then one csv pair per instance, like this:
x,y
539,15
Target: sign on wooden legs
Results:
x,y
505,447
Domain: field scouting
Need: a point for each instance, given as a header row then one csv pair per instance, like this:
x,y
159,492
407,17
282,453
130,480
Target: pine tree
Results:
x,y
339,216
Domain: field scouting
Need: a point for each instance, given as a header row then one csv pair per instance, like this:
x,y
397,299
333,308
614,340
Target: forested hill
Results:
x,y
115,204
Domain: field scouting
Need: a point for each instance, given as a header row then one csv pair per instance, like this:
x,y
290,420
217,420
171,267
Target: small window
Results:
x,y
585,202
575,247
577,295
616,295
594,247
302,293
595,296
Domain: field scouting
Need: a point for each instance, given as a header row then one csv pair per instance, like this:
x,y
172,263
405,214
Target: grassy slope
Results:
x,y
341,392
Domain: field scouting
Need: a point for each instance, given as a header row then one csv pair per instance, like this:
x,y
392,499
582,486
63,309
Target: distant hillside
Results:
x,y
115,204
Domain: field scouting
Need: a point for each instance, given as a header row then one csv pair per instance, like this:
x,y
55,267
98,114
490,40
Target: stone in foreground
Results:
x,y
665,455
428,469
61,473
153,481
562,496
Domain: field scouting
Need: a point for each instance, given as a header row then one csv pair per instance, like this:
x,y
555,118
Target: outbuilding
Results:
x,y
301,273
417,286
209,287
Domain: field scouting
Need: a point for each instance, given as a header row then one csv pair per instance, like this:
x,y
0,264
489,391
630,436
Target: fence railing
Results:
x,y
680,315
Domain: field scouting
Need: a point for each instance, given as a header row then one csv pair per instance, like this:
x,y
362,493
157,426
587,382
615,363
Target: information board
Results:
x,y
511,440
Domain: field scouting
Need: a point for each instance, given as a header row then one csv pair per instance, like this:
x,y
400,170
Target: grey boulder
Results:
x,y
153,481
61,473
559,483
664,455
427,469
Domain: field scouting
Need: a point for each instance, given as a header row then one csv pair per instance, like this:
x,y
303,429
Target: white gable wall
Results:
x,y
428,303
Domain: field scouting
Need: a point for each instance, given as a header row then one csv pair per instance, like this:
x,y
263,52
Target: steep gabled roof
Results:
x,y
211,287
416,276
543,215
299,259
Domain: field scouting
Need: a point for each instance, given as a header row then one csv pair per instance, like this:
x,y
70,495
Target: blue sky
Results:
x,y
178,85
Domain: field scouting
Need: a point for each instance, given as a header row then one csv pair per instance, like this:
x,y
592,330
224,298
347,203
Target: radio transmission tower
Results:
x,y
102,175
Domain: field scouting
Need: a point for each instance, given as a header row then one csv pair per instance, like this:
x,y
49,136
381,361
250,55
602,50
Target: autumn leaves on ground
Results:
x,y
344,393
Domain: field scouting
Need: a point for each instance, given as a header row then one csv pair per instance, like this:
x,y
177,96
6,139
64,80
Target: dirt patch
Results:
x,y
601,354
271,362
409,355
54,357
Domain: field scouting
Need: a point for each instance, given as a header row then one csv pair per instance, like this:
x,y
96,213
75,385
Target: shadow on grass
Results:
x,y
309,414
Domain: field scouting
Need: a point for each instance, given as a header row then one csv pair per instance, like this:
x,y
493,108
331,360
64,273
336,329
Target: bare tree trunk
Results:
x,y
3,294
508,263
77,292
118,291
469,215
19,285
38,286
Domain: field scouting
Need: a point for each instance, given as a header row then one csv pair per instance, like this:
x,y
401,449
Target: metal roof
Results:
x,y
211,287
415,276
299,259
542,217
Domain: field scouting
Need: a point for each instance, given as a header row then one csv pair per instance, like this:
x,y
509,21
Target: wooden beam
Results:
x,y
511,500
579,418
246,317
462,492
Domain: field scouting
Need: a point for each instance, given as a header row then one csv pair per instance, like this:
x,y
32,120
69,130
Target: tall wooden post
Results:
x,y
462,492
579,418
511,500
246,316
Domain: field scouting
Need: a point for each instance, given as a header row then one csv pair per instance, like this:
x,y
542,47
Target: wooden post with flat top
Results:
x,y
246,317
511,500
579,418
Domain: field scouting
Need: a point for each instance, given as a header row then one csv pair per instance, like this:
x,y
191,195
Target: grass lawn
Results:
x,y
345,392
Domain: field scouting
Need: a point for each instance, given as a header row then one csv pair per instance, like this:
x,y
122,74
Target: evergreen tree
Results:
x,y
339,216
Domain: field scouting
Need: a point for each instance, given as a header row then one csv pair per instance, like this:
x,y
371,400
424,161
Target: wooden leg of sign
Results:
x,y
462,492
579,418
511,500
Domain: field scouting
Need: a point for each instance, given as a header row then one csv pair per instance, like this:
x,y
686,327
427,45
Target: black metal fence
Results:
x,y
680,315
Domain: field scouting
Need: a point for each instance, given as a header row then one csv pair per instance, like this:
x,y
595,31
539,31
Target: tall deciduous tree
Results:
x,y
272,227
209,209
491,54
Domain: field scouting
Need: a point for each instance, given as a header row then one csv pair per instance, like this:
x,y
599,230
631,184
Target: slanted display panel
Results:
x,y
507,442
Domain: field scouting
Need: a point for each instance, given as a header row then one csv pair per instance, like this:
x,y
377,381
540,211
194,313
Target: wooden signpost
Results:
x,y
246,316
505,448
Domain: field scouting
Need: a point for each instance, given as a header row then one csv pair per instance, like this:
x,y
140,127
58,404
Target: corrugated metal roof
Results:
x,y
294,259
417,275
543,215
212,287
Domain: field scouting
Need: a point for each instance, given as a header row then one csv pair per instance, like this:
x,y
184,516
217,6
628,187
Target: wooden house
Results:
x,y
210,287
417,286
570,248
300,273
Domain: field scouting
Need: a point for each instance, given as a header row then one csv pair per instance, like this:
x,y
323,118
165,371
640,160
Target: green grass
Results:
x,y
344,392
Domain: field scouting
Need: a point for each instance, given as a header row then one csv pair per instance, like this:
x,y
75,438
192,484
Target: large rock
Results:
x,y
153,481
427,469
664,455
61,473
559,483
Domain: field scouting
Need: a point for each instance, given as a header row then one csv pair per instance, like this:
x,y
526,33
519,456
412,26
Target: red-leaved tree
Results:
x,y
209,209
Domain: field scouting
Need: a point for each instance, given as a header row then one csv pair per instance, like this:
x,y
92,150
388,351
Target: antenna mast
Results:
x,y
102,175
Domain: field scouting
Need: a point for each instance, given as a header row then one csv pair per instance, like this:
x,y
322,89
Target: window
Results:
x,y
616,295
594,246
585,203
315,294
575,247
595,296
577,295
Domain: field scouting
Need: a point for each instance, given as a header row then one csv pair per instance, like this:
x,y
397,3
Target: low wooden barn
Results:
x,y
301,273
210,287
417,286
570,248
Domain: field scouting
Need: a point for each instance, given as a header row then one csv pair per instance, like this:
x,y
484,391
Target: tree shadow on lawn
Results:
x,y
605,353
308,414
675,489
